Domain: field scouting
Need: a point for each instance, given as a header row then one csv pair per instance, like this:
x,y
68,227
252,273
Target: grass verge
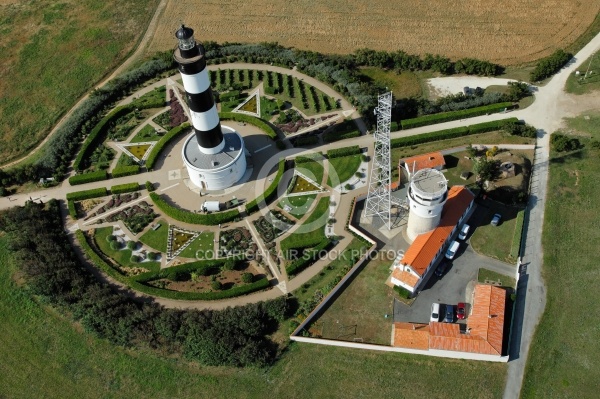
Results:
x,y
487,276
342,169
565,350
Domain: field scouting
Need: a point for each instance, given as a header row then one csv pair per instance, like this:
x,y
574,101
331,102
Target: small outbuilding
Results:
x,y
211,206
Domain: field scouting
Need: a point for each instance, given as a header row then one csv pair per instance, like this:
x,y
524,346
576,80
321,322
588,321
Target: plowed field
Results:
x,y
508,32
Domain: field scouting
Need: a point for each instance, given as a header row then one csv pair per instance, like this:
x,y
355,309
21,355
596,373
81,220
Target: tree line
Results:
x,y
236,336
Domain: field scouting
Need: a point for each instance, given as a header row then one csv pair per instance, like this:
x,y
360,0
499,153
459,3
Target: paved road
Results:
x,y
547,114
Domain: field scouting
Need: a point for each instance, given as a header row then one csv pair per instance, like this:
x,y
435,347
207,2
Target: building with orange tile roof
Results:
x,y
432,160
426,249
484,333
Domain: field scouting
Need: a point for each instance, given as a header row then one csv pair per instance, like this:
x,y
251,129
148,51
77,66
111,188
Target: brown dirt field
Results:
x,y
509,32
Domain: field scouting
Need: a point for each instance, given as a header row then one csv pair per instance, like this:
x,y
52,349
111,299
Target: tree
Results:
x,y
471,151
216,285
486,169
517,91
247,277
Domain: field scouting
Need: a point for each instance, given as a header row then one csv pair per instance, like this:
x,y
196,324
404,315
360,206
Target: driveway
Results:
x,y
452,287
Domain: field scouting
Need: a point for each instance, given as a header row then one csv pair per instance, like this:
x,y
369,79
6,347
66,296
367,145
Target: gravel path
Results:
x,y
439,87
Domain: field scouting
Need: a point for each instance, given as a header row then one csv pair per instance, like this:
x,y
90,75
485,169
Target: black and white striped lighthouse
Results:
x,y
214,155
203,111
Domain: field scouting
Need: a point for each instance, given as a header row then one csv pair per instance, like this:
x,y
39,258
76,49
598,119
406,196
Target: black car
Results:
x,y
442,267
449,317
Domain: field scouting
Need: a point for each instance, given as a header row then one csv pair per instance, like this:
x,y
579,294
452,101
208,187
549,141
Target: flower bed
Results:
x,y
236,241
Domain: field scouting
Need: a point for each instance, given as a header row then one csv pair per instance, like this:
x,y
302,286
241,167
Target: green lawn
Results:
x,y
68,48
49,357
121,256
341,169
313,170
300,204
485,276
201,248
313,228
578,85
359,312
157,239
565,351
147,133
405,84
494,241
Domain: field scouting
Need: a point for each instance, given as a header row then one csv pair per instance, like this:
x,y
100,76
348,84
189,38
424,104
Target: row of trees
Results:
x,y
235,336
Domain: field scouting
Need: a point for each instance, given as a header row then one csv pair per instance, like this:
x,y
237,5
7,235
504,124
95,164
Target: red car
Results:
x,y
460,311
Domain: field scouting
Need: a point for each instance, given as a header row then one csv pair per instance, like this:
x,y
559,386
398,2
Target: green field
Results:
x,y
405,84
313,227
580,85
494,241
313,170
300,204
157,239
67,47
563,360
147,133
203,245
359,312
121,256
341,169
50,357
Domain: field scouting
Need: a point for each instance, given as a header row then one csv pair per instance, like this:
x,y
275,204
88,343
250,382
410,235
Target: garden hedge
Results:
x,y
228,96
450,133
454,115
516,243
269,193
204,296
125,171
182,215
258,122
88,177
343,152
308,258
124,188
306,140
164,140
312,157
97,259
95,136
72,210
202,267
137,282
87,194
331,136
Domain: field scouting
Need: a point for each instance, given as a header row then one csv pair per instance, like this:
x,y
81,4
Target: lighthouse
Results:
x,y
427,194
214,155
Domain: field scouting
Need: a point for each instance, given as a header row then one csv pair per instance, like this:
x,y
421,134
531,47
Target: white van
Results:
x,y
452,250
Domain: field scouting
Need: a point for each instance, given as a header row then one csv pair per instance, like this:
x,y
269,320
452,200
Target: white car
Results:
x,y
464,232
435,312
452,250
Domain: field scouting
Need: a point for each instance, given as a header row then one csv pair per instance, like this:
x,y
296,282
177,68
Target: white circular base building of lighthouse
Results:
x,y
427,194
220,170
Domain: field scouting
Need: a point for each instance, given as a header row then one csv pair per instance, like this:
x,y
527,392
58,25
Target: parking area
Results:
x,y
452,288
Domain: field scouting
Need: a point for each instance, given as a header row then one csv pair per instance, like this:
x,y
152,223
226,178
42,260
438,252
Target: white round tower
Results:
x,y
427,194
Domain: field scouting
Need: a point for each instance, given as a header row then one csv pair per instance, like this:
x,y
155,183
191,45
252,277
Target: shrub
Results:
x,y
560,143
216,285
402,292
309,257
228,96
125,171
96,136
269,193
87,194
134,259
72,210
348,187
453,115
152,256
111,238
343,152
88,177
450,133
132,245
229,265
124,188
364,158
306,140
247,277
520,129
193,218
115,245
149,186
164,140
548,66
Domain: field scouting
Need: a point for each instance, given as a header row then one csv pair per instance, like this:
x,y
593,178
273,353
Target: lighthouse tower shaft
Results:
x,y
214,155
196,82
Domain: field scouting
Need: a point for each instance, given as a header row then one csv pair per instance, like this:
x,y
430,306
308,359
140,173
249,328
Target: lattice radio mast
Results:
x,y
379,198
